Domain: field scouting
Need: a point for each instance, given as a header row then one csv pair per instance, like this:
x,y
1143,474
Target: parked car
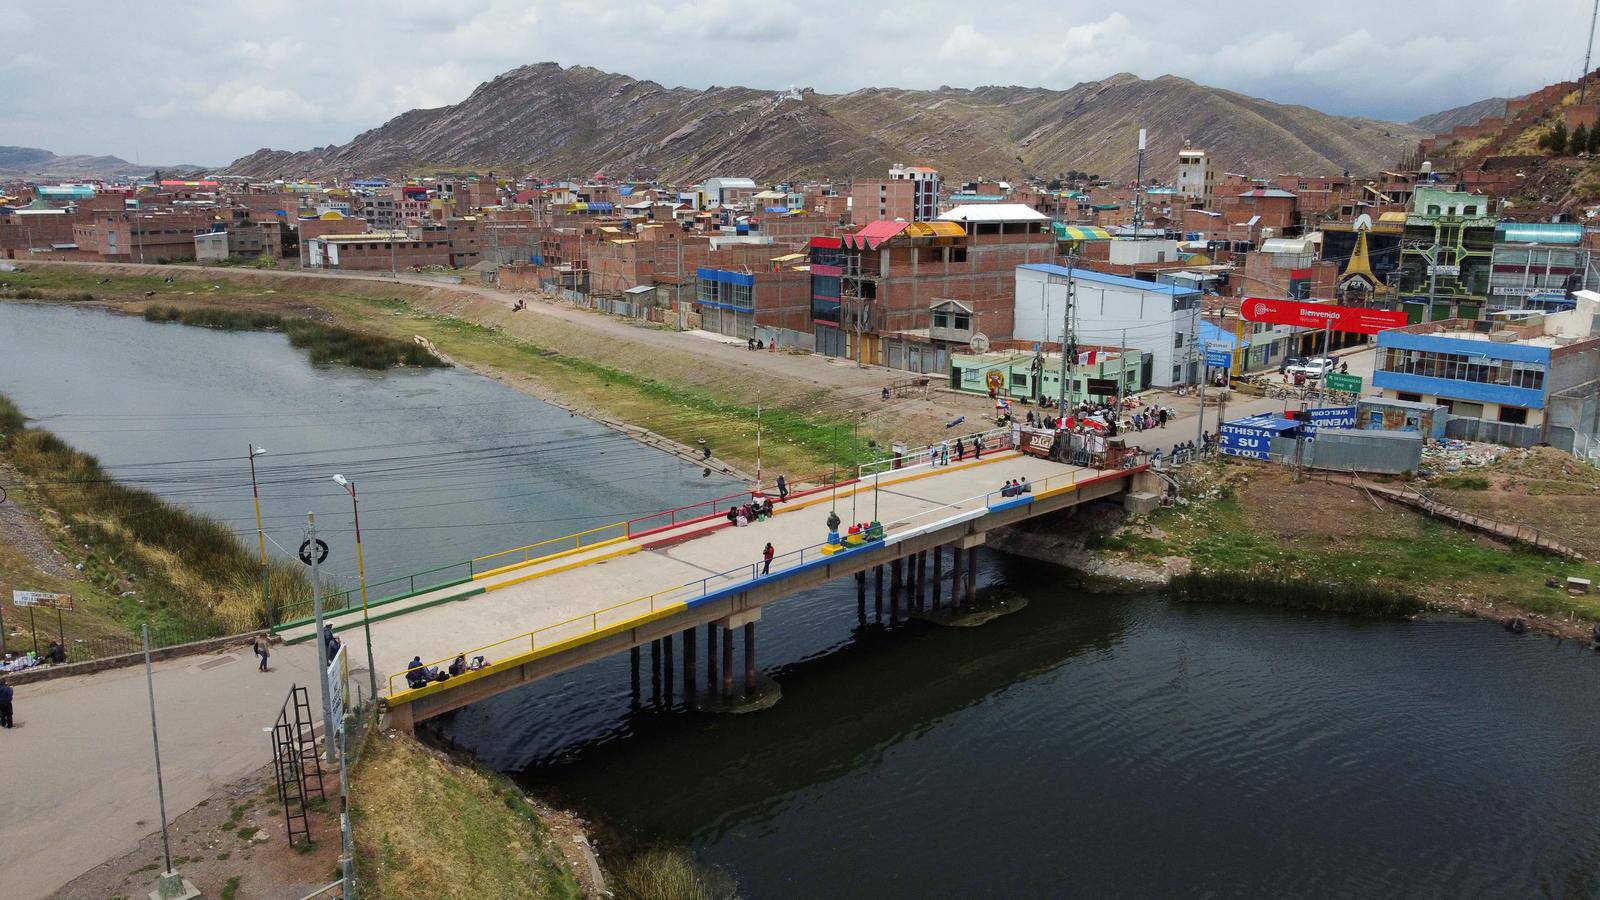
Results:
x,y
1290,361
1314,367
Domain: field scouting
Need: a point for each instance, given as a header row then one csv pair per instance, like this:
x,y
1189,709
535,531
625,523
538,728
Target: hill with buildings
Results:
x,y
579,120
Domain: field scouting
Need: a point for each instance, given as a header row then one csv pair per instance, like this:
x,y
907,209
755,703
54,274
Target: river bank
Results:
x,y
812,415
1246,523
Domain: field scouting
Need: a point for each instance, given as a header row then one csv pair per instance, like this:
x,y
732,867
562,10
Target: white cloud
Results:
x,y
293,74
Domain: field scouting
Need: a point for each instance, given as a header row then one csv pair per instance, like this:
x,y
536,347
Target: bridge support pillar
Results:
x,y
727,662
972,574
633,660
861,598
711,656
688,664
655,671
938,575
896,579
666,670
955,576
877,592
922,578
749,658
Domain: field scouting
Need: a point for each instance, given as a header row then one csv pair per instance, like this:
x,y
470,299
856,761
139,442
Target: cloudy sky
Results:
x,y
169,82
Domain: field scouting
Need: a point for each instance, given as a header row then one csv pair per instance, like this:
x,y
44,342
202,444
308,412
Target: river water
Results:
x,y
1085,746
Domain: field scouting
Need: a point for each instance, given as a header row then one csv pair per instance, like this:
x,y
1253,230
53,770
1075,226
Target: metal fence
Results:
x,y
84,639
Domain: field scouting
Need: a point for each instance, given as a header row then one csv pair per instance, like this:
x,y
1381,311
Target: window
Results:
x,y
962,322
941,320
1514,415
1019,379
1177,340
958,254
1408,397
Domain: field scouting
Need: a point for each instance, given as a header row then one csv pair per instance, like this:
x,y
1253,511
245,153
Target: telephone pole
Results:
x,y
1069,344
1583,80
311,549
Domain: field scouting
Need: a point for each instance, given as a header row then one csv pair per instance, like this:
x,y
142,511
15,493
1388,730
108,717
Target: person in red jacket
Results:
x,y
766,559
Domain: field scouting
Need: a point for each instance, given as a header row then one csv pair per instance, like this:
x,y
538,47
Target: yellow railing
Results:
x,y
527,550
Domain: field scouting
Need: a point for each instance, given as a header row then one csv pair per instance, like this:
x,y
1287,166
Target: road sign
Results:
x,y
1318,316
1348,383
41,598
322,552
1219,359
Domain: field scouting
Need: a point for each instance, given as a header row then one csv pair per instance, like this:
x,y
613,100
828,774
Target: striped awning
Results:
x,y
935,229
1081,232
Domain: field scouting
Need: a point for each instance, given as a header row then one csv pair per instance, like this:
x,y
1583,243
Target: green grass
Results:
x,y
427,827
230,889
1464,483
670,874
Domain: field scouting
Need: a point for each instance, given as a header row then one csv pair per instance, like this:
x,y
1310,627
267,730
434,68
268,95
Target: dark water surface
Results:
x,y
1082,747
448,464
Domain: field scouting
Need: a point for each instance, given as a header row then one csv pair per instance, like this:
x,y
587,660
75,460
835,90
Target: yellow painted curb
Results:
x,y
549,556
554,569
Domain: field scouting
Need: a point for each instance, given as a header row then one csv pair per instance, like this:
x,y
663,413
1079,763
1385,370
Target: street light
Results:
x,y
361,569
261,536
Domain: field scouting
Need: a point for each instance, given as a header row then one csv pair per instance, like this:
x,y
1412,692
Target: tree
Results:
x,y
1579,141
1556,140
1594,141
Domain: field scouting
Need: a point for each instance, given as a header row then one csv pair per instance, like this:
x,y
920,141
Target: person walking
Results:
x,y
5,704
977,447
783,489
766,558
961,450
261,651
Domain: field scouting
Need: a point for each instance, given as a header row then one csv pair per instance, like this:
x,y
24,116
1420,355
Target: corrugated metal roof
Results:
x,y
1093,277
873,234
935,229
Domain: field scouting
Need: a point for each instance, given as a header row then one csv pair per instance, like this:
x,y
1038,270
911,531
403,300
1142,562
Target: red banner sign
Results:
x,y
1319,315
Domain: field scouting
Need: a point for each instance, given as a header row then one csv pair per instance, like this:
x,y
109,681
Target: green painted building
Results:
x,y
1026,377
1445,255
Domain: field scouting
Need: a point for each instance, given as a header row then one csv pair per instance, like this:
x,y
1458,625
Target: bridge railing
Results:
x,y
591,625
567,543
994,440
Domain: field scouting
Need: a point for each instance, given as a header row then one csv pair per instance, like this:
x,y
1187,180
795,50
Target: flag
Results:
x,y
1088,357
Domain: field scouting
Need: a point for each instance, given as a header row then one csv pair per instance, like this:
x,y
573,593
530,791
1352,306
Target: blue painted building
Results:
x,y
1505,371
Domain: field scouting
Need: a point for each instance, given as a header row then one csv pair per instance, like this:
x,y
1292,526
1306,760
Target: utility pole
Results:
x,y
1138,190
311,549
758,446
261,537
1069,348
393,272
361,569
1583,80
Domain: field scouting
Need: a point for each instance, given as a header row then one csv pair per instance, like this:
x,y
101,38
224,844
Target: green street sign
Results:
x,y
1347,383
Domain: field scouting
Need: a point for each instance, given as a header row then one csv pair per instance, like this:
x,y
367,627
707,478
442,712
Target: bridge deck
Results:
x,y
603,586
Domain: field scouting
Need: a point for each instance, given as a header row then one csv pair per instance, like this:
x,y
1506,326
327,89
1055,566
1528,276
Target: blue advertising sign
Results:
x,y
1331,417
1251,437
1219,359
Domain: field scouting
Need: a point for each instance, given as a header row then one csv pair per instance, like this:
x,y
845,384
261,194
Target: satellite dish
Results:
x,y
979,343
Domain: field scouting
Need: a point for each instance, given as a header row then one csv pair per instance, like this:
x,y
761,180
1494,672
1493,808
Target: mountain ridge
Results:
x,y
579,120
34,162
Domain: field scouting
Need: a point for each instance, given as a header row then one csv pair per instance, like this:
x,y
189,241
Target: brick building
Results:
x,y
377,251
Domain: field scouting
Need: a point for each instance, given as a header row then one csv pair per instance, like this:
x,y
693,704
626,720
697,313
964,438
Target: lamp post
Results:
x,y
361,570
261,536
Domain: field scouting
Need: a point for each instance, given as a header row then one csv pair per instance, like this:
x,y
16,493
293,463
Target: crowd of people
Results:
x,y
54,655
420,675
1016,487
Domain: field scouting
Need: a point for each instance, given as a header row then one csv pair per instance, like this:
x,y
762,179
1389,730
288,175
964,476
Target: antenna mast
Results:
x,y
1583,80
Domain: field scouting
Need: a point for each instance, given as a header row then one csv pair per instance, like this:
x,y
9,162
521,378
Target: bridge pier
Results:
x,y
938,575
666,670
922,578
896,579
749,658
972,574
711,656
955,576
877,592
655,671
727,661
861,597
633,660
688,664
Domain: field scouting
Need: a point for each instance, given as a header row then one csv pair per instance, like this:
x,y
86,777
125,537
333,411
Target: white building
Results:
x,y
1195,178
924,190
1112,311
724,191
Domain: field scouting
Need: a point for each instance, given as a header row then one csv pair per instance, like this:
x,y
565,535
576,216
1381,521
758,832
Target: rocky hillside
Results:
x,y
31,162
575,121
1444,120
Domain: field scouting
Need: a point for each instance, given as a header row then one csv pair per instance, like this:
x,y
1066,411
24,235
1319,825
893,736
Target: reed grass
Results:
x,y
326,344
1293,593
191,571
670,874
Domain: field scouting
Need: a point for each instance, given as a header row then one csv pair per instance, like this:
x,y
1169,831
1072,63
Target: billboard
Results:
x,y
1250,437
1331,417
1319,315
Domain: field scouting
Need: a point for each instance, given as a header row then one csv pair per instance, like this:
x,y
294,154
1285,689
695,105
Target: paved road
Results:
x,y
79,784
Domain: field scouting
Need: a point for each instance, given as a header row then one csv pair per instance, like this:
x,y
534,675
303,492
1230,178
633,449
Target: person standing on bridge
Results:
x,y
783,489
766,558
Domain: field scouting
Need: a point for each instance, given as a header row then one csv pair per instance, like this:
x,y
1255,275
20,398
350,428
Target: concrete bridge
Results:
x,y
540,610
